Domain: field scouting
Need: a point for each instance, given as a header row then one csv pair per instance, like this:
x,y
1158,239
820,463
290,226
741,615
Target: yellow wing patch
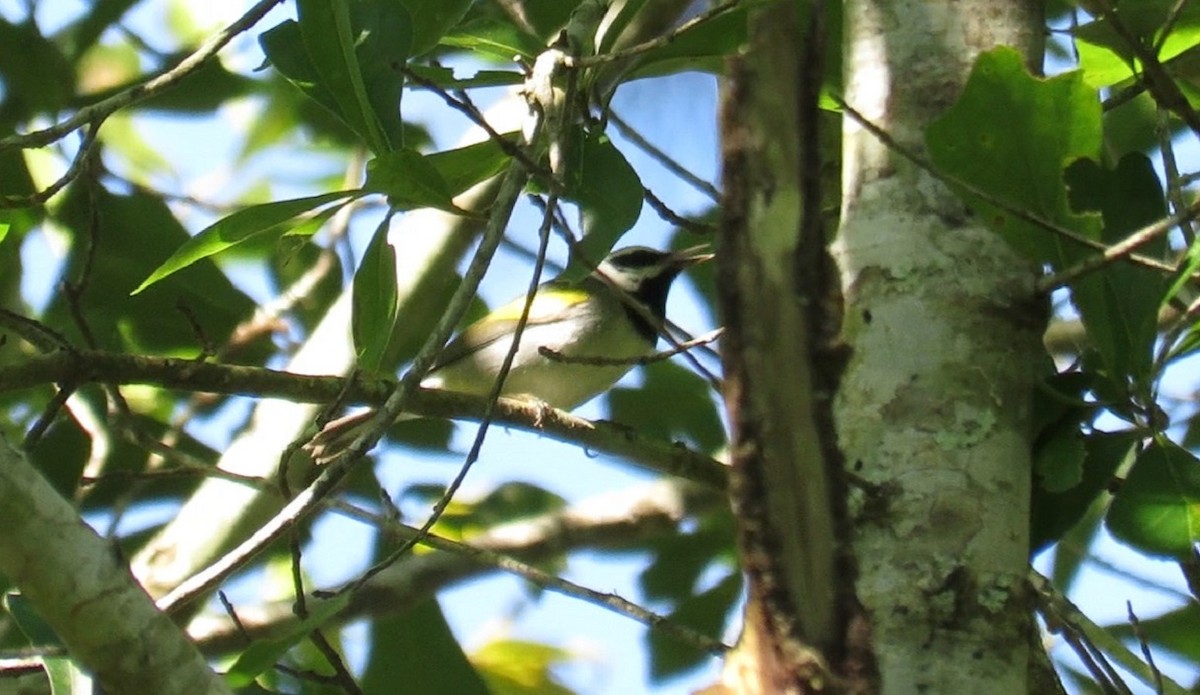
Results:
x,y
547,304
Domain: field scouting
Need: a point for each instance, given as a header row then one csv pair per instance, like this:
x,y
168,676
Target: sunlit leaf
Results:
x,y
520,667
239,227
409,180
346,58
263,654
330,43
1019,159
494,39
464,167
1157,509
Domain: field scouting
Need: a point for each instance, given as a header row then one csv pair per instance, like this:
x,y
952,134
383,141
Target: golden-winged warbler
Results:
x,y
614,314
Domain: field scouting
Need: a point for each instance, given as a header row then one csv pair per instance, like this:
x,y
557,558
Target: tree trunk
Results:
x,y
883,505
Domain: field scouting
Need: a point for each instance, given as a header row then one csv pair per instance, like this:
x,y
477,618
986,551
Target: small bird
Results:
x,y
613,315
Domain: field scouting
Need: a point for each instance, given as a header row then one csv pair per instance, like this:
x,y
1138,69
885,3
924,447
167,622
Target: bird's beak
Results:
x,y
688,257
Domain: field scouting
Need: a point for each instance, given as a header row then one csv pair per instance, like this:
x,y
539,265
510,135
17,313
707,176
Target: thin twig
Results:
x,y
652,44
1169,25
1124,96
36,333
1090,639
1160,83
233,616
675,218
341,674
78,163
1171,169
1118,251
337,468
597,360
470,111
1136,625
1014,210
34,435
101,110
667,162
497,388
611,601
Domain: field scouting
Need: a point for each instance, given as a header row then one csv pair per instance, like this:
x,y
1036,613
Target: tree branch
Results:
x,y
616,520
75,581
94,366
103,109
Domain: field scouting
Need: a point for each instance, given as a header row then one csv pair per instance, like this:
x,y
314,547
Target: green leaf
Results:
x,y
205,90
383,40
547,17
351,71
445,78
511,501
1073,548
30,622
132,234
1157,509
609,194
239,227
1056,510
37,78
1119,303
84,32
431,19
60,670
672,403
1058,460
1105,54
464,167
284,48
1010,134
1174,631
410,180
706,613
263,654
520,667
330,43
717,38
417,649
679,561
493,39
375,300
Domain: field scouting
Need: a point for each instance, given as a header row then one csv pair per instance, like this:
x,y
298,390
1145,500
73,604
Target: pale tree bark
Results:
x,y
77,584
882,475
945,331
